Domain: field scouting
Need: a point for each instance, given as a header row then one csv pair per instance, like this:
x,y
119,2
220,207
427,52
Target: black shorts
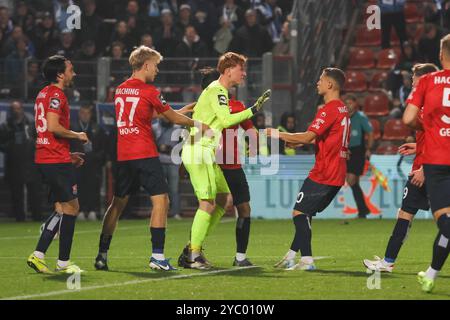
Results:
x,y
314,197
61,181
131,175
357,160
414,198
437,179
237,182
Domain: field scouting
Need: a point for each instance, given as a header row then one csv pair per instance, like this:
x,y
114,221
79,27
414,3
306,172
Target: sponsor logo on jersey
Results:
x,y
223,101
55,103
161,98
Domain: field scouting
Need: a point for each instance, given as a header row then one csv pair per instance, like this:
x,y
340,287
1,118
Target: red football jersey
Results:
x,y
135,102
233,163
332,126
50,149
432,93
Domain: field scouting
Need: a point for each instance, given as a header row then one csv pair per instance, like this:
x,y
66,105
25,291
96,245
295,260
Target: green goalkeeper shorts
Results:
x,y
206,176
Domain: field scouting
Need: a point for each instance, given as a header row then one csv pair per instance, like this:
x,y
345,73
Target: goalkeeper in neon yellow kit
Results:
x,y
199,154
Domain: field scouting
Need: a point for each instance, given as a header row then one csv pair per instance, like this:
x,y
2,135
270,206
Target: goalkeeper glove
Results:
x,y
261,100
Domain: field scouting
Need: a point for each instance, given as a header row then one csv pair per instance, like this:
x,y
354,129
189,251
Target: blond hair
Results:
x,y
141,54
230,60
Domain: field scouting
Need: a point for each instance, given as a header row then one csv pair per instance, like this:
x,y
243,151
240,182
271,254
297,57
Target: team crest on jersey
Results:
x,y
55,103
323,114
75,189
222,100
161,98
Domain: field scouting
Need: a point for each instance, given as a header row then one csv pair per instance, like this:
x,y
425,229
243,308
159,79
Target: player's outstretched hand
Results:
x,y
407,149
77,159
263,99
417,178
82,136
187,108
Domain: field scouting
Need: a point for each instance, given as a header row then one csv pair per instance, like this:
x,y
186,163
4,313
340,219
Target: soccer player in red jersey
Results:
x,y
55,163
415,194
432,93
135,101
330,133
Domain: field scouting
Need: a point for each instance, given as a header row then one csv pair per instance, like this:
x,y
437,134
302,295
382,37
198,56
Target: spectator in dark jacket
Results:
x,y
45,36
167,36
17,140
66,46
252,39
90,174
392,15
429,45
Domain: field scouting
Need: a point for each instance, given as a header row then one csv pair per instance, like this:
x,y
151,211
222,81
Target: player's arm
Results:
x,y
59,131
307,137
410,117
180,119
219,104
187,108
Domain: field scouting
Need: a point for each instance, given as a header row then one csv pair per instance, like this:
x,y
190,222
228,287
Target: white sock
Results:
x,y
193,255
39,254
307,260
291,255
386,263
431,273
62,264
158,256
240,256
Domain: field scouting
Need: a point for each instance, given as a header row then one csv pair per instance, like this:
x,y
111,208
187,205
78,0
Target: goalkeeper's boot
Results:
x,y
39,265
301,265
163,265
70,268
243,263
202,254
378,265
427,283
285,263
101,263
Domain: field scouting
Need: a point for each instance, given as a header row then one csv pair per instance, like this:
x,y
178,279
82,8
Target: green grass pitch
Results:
x,y
340,273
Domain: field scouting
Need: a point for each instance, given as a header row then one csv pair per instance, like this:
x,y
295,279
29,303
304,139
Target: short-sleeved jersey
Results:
x,y
135,103
332,126
360,126
212,109
51,149
432,93
232,146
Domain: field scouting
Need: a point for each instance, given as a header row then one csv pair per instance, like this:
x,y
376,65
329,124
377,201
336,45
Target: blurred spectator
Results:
x,y
163,131
271,17
232,14
283,47
392,15
89,176
167,36
91,25
34,82
205,19
287,124
122,34
66,46
259,121
401,95
191,49
429,45
45,36
6,24
223,37
135,20
61,15
85,66
24,18
251,39
395,78
11,43
14,65
17,137
359,152
184,17
119,65
147,40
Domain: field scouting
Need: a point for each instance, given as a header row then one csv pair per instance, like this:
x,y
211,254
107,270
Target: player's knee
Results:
x,y
444,225
351,180
406,213
244,210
